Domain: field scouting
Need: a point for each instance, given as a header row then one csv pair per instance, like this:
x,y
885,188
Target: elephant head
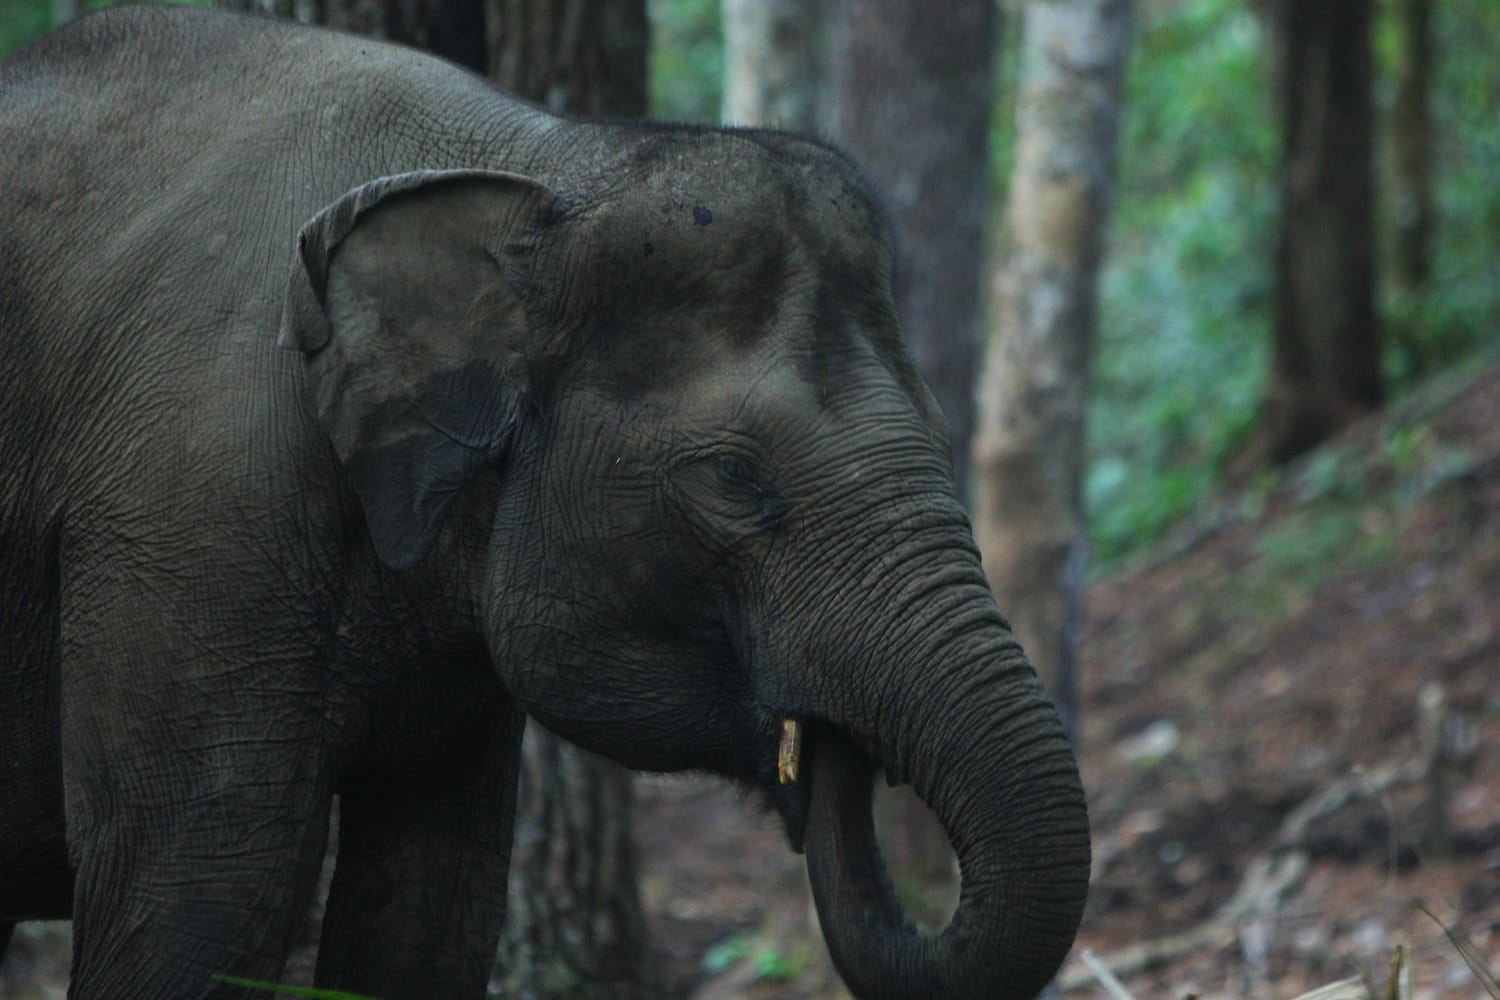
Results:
x,y
726,530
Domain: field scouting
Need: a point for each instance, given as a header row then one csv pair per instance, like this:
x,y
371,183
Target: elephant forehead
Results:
x,y
683,194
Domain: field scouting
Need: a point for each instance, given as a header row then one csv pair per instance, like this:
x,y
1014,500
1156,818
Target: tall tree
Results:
x,y
1029,453
773,56
1325,365
1411,147
1411,135
577,58
577,928
908,94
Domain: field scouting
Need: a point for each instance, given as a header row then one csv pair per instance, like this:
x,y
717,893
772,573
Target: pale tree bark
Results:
x,y
1325,365
908,95
773,56
576,927
1029,453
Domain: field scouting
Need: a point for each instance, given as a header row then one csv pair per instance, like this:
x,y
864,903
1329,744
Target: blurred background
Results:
x,y
1209,291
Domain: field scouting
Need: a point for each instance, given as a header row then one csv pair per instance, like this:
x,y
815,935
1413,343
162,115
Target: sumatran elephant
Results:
x,y
351,410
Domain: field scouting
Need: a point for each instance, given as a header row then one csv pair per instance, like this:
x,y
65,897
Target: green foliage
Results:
x,y
687,60
291,991
24,21
1458,312
768,962
1186,292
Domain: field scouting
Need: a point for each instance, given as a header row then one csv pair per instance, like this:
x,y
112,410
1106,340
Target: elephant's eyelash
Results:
x,y
740,475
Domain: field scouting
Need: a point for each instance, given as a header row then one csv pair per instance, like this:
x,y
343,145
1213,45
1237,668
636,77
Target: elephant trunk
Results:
x,y
993,764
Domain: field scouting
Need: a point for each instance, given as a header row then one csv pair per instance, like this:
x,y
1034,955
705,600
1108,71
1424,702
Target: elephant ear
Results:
x,y
403,299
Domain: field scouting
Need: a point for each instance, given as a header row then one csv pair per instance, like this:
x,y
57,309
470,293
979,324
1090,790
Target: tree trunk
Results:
x,y
908,96
1325,366
453,29
579,58
1029,456
575,928
1411,134
1411,141
772,62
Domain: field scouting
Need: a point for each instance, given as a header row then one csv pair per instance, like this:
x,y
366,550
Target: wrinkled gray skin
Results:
x,y
609,424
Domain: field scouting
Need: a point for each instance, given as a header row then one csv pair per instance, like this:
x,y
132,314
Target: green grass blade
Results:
x,y
1467,953
293,991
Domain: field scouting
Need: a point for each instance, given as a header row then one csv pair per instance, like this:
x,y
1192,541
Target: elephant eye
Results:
x,y
740,476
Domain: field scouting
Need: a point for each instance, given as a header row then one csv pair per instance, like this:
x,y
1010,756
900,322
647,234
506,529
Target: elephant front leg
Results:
x,y
418,895
197,768
181,881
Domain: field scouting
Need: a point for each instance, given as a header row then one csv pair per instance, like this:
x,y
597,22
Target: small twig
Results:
x,y
1112,986
1432,720
1393,982
1466,952
1344,989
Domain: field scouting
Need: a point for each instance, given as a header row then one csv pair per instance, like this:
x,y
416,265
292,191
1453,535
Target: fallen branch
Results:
x,y
1267,879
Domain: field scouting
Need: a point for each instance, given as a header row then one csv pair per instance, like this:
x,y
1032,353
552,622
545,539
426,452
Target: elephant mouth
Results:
x,y
787,779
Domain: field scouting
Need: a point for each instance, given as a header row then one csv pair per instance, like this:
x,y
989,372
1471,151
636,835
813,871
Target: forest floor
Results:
x,y
1261,793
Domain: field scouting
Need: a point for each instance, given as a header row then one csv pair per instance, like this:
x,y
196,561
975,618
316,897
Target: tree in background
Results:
x,y
773,62
908,94
1411,153
575,927
1325,364
1029,452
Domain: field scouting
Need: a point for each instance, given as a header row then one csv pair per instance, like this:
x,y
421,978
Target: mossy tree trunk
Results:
x,y
1411,155
1029,451
1325,364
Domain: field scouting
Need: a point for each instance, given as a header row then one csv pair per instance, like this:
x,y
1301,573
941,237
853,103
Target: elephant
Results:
x,y
353,411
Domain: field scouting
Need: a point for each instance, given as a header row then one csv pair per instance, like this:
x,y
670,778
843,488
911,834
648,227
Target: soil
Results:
x,y
1272,652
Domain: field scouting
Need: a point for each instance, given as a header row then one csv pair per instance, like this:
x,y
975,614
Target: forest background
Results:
x,y
1176,397
1187,284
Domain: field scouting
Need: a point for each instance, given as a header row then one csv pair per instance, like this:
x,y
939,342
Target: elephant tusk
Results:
x,y
790,751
